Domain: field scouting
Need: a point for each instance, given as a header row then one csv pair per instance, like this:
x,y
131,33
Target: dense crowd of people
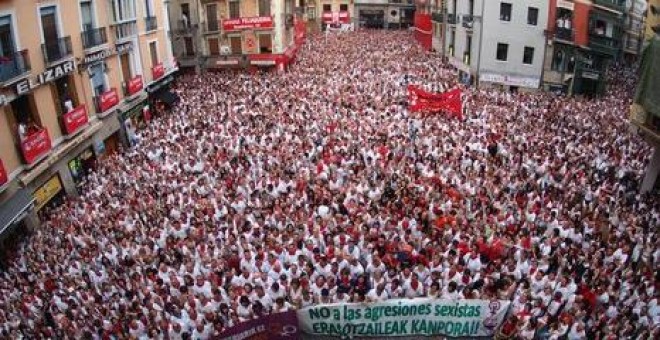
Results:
x,y
265,192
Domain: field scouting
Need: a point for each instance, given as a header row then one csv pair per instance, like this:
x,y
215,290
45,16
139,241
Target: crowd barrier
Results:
x,y
400,317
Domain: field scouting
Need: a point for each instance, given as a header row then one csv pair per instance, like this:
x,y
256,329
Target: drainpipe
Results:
x,y
481,43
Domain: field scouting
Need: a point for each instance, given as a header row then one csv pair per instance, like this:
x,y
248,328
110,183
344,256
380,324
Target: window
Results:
x,y
125,61
7,46
505,11
87,14
264,8
265,43
467,55
234,9
452,41
153,52
189,46
471,7
343,8
212,17
148,8
185,15
214,46
502,51
24,118
123,10
97,77
64,93
528,55
532,16
327,8
236,44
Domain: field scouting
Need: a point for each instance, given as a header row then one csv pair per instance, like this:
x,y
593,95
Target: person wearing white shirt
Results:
x,y
377,294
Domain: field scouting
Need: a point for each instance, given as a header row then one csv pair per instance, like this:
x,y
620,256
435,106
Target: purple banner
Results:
x,y
280,326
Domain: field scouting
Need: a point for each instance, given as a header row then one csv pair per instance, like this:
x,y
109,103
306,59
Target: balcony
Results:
x,y
617,5
211,27
565,34
452,19
94,37
35,145
604,44
125,30
14,65
437,16
468,21
184,27
150,23
57,50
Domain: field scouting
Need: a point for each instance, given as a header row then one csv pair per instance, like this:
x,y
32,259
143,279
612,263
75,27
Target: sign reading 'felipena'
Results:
x,y
405,317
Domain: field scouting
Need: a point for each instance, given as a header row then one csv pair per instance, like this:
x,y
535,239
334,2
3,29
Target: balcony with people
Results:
x,y
604,36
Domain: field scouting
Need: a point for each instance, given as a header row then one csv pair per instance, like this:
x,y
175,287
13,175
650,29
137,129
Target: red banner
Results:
x,y
108,100
342,17
424,30
35,145
3,174
75,119
301,30
158,71
134,85
420,100
247,23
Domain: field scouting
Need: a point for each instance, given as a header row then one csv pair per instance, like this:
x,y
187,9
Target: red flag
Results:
x,y
424,101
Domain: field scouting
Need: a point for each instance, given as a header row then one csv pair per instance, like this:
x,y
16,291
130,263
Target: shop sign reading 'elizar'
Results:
x,y
52,73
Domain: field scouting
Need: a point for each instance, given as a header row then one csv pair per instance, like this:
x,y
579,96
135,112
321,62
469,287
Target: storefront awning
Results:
x,y
14,210
159,83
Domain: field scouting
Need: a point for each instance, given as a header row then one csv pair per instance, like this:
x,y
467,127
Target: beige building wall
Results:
x,y
28,35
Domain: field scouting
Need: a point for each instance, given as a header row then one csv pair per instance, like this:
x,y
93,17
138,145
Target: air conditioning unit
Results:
x,y
225,50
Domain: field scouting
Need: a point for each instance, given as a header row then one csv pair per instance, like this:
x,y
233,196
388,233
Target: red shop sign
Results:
x,y
108,99
3,174
75,119
247,23
158,71
134,85
35,145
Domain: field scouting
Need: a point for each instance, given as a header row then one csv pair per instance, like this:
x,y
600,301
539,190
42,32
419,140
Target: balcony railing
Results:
x,y
212,26
565,34
14,65
618,5
437,16
185,26
452,18
57,49
125,29
468,20
94,37
604,44
150,23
